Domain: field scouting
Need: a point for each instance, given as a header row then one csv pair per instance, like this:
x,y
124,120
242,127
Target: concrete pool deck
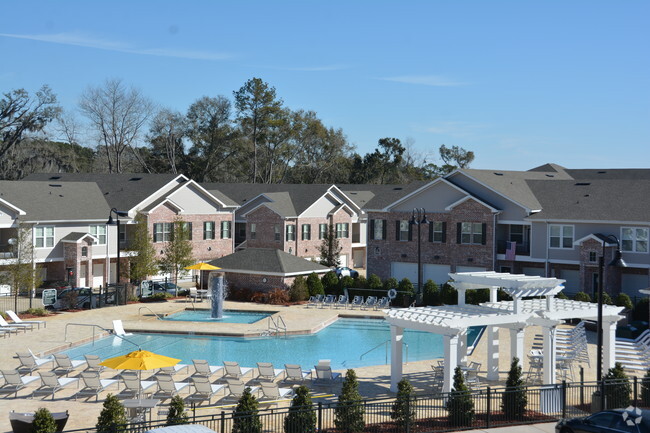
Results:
x,y
374,381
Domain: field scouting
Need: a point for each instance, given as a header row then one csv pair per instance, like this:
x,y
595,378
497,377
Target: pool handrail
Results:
x,y
65,335
385,343
152,312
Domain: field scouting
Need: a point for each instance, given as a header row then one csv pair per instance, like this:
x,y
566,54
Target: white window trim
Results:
x,y
634,241
561,236
44,237
97,226
441,232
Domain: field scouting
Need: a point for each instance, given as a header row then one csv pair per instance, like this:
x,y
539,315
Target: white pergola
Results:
x,y
452,321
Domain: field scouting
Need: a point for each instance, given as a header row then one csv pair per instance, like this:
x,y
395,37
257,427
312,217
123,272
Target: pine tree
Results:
x,y
330,283
349,411
514,400
177,414
460,404
44,422
112,418
330,248
617,387
315,285
177,253
144,262
301,417
403,410
245,417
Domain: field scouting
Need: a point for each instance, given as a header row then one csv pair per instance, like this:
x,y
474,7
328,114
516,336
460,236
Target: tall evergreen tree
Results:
x,y
245,417
349,411
460,404
44,421
330,247
112,418
301,417
514,400
177,414
403,410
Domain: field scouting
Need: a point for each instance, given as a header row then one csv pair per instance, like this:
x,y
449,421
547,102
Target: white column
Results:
x,y
494,291
516,344
461,296
451,360
462,348
549,354
609,344
492,333
396,336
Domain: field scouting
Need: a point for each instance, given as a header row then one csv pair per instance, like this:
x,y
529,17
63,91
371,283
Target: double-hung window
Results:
x,y
437,231
100,233
253,231
472,233
186,230
378,229
225,229
560,236
322,231
162,232
306,232
342,230
208,230
291,232
634,239
403,230
276,232
44,237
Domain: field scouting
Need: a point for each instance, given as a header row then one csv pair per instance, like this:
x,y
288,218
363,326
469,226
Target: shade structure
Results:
x,y
139,360
201,266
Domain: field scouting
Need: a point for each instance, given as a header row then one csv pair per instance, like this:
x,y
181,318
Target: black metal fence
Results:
x,y
87,299
488,407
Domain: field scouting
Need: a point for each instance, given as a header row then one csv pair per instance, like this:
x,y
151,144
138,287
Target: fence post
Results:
x,y
582,385
408,415
320,416
636,392
223,421
564,399
193,412
489,408
602,395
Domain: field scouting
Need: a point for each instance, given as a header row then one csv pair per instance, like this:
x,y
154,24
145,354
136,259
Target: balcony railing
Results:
x,y
520,249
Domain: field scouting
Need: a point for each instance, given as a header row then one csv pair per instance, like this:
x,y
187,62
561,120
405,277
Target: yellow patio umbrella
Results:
x,y
201,266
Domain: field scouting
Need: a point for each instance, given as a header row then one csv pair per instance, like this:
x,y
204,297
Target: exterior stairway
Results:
x,y
634,354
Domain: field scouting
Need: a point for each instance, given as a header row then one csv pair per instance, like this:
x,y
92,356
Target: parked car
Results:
x,y
159,286
343,271
79,297
613,420
59,285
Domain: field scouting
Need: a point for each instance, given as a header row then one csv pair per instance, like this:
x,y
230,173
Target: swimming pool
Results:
x,y
229,316
348,343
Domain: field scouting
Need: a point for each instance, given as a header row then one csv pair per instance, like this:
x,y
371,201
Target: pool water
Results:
x,y
348,343
229,316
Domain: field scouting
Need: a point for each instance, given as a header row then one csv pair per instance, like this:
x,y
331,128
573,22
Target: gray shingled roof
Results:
x,y
123,191
595,200
56,201
377,197
266,261
75,237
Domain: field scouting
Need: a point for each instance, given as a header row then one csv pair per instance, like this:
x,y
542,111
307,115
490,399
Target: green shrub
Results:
x,y
403,410
561,295
345,283
302,416
315,285
406,292
245,417
37,312
157,297
112,418
645,389
330,283
607,300
298,291
360,282
582,296
449,294
623,300
374,282
349,411
617,391
176,414
431,293
514,400
390,283
460,404
44,422
503,296
640,311
477,296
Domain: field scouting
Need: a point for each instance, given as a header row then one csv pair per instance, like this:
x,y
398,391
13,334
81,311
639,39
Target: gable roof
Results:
x,y
77,237
51,201
377,197
269,261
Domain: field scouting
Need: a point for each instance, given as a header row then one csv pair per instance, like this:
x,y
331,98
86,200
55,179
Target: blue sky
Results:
x,y
520,83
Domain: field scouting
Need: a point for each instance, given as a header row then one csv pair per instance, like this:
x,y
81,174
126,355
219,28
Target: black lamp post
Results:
x,y
110,222
419,221
616,262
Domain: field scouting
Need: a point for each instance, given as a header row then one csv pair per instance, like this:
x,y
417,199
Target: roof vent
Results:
x,y
583,183
134,179
55,185
397,189
55,177
549,175
498,174
601,172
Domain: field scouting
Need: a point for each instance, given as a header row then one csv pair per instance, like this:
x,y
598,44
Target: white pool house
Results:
x,y
534,304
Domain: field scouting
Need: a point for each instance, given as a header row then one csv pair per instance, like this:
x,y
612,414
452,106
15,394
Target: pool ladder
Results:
x,y
274,327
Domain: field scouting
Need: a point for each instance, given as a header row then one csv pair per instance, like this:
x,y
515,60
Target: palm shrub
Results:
x,y
245,417
449,294
298,290
431,293
582,296
330,283
460,404
44,421
403,410
617,387
348,414
623,300
514,400
645,389
301,417
112,418
315,285
177,414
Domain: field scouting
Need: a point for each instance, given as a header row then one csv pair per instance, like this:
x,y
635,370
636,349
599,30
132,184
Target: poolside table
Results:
x,y
137,408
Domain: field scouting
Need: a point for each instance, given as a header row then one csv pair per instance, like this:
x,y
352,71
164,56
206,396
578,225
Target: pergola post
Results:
x,y
461,295
492,333
396,337
549,346
462,348
609,343
517,343
451,360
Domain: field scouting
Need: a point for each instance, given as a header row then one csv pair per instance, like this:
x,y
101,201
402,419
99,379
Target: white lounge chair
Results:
x,y
93,385
17,320
50,384
342,302
315,301
202,368
325,375
64,365
167,388
118,329
28,362
271,391
204,390
267,372
357,301
328,301
295,373
382,303
93,363
14,382
175,369
134,387
234,370
23,326
370,302
236,388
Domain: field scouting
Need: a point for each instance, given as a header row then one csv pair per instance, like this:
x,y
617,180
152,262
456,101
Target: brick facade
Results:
x,y
73,258
382,252
265,220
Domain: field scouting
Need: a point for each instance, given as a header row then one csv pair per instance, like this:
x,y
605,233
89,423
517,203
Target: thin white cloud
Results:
x,y
80,40
425,80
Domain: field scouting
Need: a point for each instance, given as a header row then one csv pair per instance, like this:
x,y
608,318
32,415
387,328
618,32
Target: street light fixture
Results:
x,y
616,262
110,222
419,221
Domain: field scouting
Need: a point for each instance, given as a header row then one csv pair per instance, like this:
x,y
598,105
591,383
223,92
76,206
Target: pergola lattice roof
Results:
x,y
516,285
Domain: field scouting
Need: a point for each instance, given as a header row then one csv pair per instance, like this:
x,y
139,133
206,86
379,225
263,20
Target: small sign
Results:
x,y
49,297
